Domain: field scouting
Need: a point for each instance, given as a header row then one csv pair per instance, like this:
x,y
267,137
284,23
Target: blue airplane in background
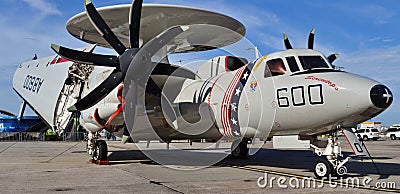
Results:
x,y
11,123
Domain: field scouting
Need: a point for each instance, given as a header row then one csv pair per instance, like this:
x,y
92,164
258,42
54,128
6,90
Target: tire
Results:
x,y
240,150
101,151
365,138
392,137
236,152
322,168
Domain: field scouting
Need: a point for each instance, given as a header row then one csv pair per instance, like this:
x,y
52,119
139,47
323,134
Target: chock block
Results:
x,y
103,162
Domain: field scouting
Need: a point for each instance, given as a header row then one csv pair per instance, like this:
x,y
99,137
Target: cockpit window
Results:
x,y
311,62
292,64
274,67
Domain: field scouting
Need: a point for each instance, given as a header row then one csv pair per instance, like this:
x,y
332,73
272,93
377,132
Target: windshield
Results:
x,y
274,67
393,129
311,62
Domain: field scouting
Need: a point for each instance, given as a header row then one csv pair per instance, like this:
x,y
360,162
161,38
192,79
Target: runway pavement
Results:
x,y
50,167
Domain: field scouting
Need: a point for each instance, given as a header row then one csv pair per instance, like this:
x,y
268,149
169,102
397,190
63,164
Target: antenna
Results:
x,y
257,53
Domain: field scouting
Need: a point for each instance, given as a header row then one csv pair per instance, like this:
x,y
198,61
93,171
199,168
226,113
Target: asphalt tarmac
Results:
x,y
52,167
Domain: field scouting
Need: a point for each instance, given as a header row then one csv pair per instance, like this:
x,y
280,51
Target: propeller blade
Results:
x,y
103,29
141,65
333,57
163,38
134,23
86,57
311,39
286,41
99,92
139,74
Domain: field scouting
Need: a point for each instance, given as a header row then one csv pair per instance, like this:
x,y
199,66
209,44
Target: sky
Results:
x,y
364,32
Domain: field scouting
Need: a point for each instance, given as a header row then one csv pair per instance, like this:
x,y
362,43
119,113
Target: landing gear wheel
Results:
x,y
241,150
365,138
341,171
100,151
393,137
236,152
322,168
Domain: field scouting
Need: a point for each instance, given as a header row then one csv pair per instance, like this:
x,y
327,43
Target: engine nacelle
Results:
x,y
89,122
115,97
106,112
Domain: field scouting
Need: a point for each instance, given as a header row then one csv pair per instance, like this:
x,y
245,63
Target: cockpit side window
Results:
x,y
274,67
293,66
311,62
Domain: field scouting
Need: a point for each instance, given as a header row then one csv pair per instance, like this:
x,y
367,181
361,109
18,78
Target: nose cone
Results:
x,y
381,96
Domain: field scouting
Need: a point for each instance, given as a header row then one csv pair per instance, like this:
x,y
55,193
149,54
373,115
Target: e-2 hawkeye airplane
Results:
x,y
290,96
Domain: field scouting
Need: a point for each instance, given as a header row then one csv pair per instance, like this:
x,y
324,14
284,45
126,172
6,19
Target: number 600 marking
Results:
x,y
297,94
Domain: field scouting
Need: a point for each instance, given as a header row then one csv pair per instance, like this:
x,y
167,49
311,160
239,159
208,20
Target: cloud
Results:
x,y
375,13
270,40
44,7
386,60
23,34
379,14
383,65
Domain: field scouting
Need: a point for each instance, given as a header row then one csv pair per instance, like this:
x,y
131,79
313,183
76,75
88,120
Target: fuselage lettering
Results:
x,y
33,83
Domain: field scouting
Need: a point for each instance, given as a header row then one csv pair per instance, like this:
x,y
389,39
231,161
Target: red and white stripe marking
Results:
x,y
226,103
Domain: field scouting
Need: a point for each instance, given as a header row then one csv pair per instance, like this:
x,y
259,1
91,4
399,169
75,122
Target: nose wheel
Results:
x,y
330,164
323,168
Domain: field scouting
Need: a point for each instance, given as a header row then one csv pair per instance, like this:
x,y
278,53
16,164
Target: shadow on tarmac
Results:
x,y
303,160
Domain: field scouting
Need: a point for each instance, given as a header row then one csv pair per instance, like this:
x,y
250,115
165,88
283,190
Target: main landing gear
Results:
x,y
97,149
329,162
239,148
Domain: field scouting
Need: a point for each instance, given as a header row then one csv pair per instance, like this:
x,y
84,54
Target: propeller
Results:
x,y
311,36
136,59
310,40
125,58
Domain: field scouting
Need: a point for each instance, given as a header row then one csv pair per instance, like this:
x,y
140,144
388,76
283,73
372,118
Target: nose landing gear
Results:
x,y
330,163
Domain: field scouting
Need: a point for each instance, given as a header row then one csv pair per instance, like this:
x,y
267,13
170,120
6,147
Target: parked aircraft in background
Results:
x,y
12,123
